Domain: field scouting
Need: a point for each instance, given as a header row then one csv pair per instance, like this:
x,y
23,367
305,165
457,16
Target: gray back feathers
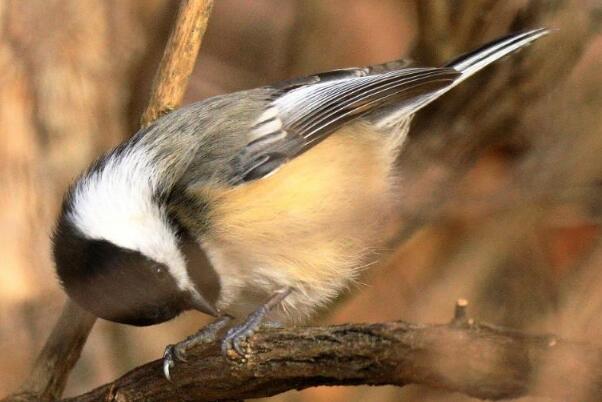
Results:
x,y
246,135
305,111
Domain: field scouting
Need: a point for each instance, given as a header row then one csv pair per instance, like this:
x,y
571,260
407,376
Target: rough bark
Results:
x,y
463,125
478,360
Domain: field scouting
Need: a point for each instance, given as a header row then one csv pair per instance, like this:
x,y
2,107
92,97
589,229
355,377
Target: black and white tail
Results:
x,y
471,62
304,111
467,65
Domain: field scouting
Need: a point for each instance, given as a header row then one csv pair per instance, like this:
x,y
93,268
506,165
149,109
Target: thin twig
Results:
x,y
178,59
63,347
52,367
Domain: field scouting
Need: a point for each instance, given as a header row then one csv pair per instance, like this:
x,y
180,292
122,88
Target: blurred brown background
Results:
x,y
503,198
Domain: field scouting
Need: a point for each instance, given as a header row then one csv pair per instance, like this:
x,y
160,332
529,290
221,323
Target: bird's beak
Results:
x,y
198,303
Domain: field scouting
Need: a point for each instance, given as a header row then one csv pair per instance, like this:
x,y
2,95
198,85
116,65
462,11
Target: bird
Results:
x,y
254,206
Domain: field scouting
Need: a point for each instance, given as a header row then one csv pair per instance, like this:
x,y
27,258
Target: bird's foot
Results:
x,y
239,334
205,335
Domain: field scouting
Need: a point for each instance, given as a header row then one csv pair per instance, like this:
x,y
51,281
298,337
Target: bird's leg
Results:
x,y
205,335
240,333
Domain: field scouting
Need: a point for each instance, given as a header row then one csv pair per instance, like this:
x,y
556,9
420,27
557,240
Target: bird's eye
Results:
x,y
160,272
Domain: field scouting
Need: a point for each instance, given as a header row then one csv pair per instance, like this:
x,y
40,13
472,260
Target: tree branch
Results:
x,y
63,347
475,359
178,59
478,360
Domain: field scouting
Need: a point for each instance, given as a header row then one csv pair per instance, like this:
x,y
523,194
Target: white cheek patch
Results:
x,y
116,204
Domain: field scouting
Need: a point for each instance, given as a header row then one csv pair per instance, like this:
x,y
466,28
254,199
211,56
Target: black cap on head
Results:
x,y
115,283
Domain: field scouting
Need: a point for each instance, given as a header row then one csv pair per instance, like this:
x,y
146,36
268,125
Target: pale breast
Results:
x,y
312,225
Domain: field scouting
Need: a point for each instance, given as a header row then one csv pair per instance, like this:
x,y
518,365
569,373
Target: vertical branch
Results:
x,y
62,350
178,59
63,347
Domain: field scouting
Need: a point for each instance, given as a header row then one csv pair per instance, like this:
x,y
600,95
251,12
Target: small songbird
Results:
x,y
265,201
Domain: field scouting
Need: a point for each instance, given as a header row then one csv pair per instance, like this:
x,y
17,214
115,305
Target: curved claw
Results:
x,y
240,333
171,354
226,347
203,336
236,344
168,361
234,339
227,343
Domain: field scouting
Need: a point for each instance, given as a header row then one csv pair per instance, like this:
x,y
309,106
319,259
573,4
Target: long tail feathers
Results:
x,y
471,62
467,64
